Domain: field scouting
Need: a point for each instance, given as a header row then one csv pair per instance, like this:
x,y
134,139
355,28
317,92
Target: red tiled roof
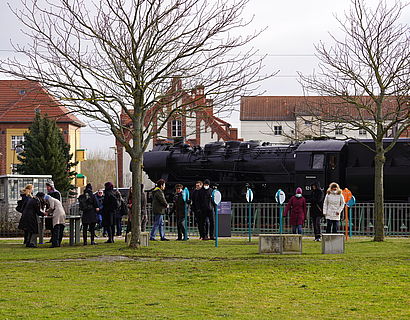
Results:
x,y
269,108
20,98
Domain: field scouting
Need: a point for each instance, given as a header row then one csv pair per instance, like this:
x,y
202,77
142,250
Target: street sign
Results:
x,y
351,202
185,194
216,196
249,195
280,197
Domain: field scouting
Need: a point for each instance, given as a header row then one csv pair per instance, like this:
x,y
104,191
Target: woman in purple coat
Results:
x,y
297,208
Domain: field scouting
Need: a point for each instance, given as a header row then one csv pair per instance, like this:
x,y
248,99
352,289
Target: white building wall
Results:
x,y
206,134
264,131
190,128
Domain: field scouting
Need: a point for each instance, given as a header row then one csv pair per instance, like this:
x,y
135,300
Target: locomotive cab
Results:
x,y
319,161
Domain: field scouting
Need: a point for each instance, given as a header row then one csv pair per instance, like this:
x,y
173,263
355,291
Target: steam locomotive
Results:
x,y
234,165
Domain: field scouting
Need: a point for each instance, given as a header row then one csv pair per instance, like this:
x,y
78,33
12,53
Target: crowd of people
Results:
x,y
105,209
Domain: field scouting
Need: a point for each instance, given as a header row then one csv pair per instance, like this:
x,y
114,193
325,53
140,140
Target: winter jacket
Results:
x,y
333,206
90,215
30,217
55,194
297,208
159,203
316,203
110,207
205,202
195,202
56,210
179,205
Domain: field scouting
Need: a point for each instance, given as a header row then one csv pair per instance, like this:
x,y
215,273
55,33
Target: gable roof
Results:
x,y
19,100
287,108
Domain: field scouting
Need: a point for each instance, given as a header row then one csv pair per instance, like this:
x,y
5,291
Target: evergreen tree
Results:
x,y
46,152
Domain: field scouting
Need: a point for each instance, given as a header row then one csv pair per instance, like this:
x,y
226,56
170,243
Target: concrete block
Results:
x,y
292,244
333,243
270,243
280,243
144,239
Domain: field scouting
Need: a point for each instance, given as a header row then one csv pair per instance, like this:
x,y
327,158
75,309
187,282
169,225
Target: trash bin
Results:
x,y
224,219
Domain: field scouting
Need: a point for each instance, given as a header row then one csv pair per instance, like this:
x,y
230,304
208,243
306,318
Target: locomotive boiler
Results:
x,y
265,167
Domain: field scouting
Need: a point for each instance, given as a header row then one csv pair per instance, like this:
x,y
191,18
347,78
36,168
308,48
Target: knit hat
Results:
x,y
89,187
207,182
108,185
299,190
50,183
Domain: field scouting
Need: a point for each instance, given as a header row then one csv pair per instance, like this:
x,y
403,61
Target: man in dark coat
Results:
x,y
316,208
179,209
89,216
110,207
30,218
159,205
207,209
196,210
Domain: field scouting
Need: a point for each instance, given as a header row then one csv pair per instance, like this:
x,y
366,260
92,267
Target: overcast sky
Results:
x,y
293,27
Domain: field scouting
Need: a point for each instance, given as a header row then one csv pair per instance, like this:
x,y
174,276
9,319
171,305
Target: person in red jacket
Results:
x,y
297,208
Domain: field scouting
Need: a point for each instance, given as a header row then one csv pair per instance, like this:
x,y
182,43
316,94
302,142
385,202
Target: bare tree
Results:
x,y
114,59
364,81
98,168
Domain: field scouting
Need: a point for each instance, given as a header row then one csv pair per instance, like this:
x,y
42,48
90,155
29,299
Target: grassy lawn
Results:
x,y
195,280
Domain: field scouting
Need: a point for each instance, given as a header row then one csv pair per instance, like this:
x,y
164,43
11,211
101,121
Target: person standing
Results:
x,y
26,194
110,207
316,209
52,192
30,218
56,210
89,207
297,208
195,208
159,205
122,210
99,198
207,210
179,209
332,207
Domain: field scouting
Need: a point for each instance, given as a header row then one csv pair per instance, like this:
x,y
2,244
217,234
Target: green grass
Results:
x,y
195,280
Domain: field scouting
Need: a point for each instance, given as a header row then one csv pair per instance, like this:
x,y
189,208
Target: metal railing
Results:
x,y
264,217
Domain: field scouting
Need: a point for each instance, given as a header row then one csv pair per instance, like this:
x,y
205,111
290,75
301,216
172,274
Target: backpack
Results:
x,y
85,202
20,206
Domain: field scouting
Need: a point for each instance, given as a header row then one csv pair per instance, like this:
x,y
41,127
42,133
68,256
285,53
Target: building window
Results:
x,y
308,123
277,130
16,141
362,132
176,128
339,131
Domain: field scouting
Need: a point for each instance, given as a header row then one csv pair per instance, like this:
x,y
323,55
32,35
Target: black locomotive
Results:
x,y
266,168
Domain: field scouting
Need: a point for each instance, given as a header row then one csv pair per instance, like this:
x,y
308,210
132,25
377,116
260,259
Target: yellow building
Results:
x,y
19,101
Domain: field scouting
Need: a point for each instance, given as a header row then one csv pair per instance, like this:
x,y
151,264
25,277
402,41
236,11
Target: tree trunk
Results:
x,y
136,166
379,161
